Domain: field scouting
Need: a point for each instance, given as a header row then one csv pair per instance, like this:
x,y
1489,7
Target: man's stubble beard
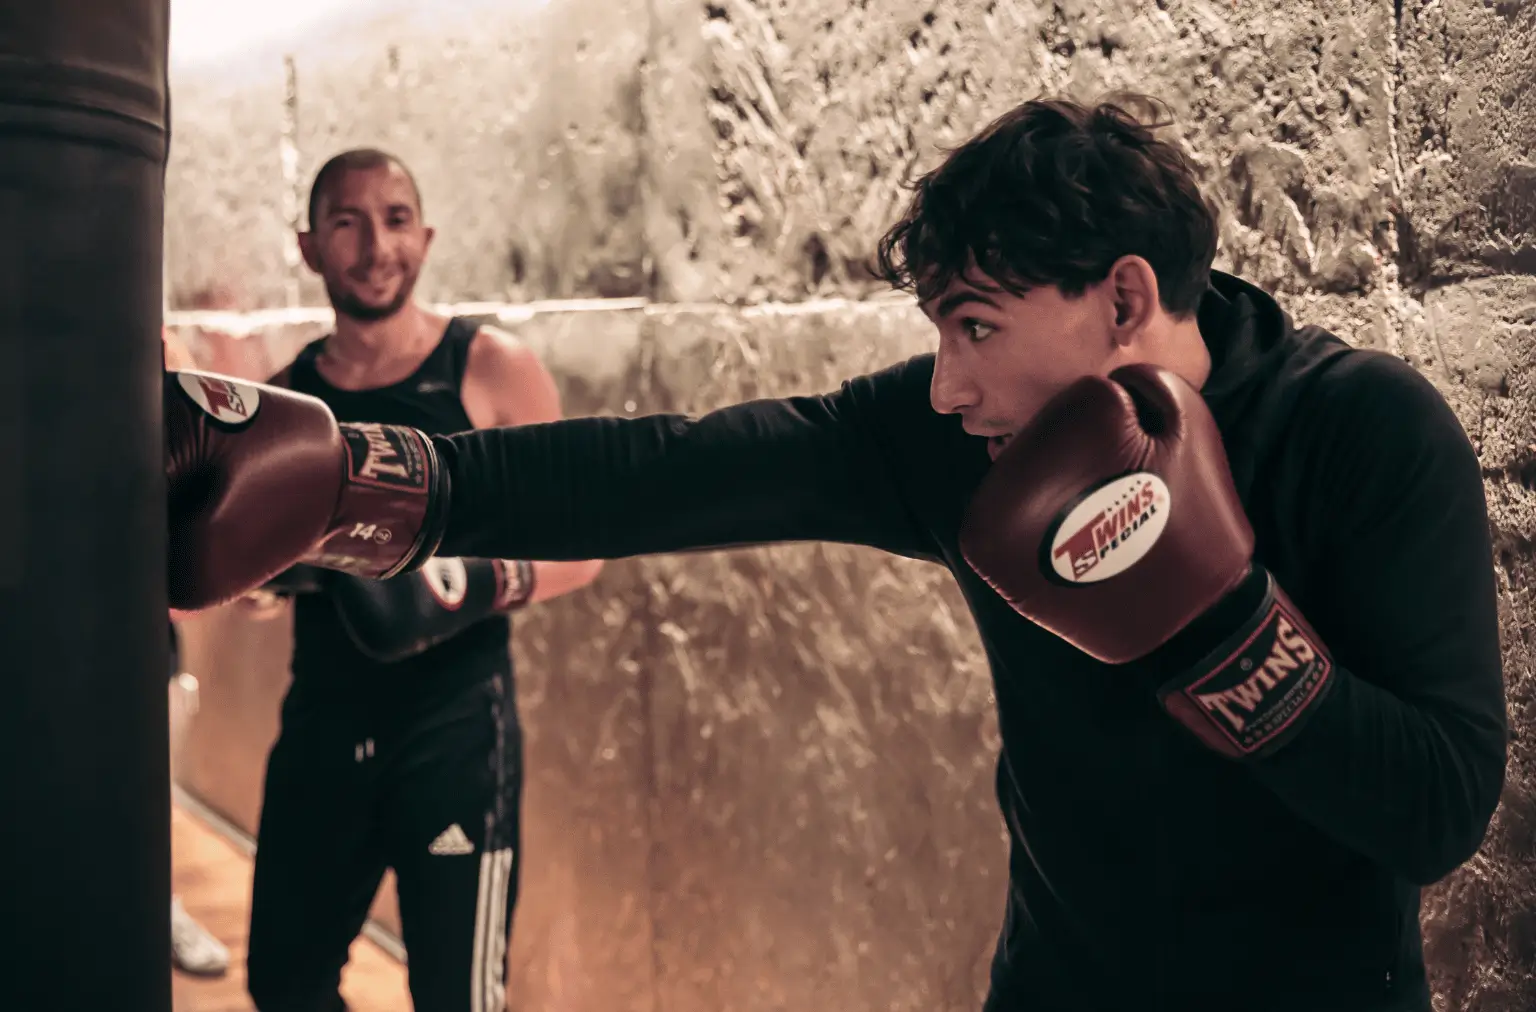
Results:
x,y
353,308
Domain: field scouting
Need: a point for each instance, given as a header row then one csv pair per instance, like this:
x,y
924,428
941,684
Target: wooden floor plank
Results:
x,y
213,879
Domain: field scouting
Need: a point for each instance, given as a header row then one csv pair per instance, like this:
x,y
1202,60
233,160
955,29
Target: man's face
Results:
x,y
368,242
1001,356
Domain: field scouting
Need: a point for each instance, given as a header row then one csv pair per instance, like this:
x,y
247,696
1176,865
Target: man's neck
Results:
x,y
1182,350
364,353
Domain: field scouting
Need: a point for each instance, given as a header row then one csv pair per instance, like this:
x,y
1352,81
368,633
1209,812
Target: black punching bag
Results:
x,y
84,782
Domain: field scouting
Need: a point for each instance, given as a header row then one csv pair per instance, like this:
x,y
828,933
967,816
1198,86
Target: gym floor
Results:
x,y
213,879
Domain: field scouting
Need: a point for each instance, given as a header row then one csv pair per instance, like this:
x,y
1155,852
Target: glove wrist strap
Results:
x,y
1252,693
514,584
393,505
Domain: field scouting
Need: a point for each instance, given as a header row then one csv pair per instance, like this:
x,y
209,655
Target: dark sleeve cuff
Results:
x,y
1251,692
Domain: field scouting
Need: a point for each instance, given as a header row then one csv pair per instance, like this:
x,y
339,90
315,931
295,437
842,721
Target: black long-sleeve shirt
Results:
x,y
1145,871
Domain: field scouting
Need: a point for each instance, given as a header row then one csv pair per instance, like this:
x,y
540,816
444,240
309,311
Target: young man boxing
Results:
x,y
1234,577
400,745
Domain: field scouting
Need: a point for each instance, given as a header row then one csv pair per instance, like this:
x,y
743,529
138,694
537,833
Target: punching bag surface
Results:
x,y
84,784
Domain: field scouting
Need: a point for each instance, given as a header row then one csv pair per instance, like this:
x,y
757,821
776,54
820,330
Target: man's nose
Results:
x,y
370,242
952,390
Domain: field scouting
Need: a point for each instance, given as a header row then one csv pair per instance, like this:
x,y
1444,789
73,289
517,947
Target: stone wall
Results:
x,y
728,808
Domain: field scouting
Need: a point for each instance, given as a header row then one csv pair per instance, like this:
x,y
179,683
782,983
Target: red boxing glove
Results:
x,y
1112,521
261,478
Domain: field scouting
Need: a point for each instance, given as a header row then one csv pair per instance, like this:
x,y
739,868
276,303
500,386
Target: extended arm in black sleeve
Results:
x,y
1403,759
819,468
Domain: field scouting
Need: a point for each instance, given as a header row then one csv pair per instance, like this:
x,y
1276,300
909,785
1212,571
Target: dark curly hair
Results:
x,y
1053,192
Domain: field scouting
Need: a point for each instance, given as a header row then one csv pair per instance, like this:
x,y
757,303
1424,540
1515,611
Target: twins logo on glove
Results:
x,y
1110,529
1251,691
447,579
1112,520
223,399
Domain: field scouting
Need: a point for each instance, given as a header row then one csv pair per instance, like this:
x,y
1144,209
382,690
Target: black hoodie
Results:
x,y
1146,872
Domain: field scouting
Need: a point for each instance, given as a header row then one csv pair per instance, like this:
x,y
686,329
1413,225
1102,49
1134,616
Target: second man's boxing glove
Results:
x,y
390,620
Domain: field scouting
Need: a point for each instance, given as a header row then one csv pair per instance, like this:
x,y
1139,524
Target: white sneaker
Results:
x,y
193,949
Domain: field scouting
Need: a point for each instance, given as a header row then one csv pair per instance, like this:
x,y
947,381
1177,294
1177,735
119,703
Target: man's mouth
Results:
x,y
995,444
375,278
375,292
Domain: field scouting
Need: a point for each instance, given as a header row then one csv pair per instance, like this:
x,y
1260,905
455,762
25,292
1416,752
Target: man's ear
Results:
x,y
307,250
1131,287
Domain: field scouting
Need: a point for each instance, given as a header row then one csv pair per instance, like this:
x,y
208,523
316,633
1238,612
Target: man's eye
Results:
x,y
976,330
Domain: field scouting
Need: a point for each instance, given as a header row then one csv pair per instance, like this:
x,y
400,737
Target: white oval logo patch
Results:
x,y
448,579
1111,529
224,399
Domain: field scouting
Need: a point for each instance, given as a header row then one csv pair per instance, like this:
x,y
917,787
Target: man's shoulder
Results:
x,y
495,340
896,399
1371,417
493,352
1368,386
893,406
506,382
1335,380
903,381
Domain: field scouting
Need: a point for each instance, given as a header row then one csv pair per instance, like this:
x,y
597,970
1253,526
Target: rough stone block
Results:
x,y
681,195
822,113
226,227
756,149
1467,138
523,126
1374,320
1477,343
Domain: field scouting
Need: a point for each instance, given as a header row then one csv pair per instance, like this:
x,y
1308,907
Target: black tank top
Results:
x,y
325,663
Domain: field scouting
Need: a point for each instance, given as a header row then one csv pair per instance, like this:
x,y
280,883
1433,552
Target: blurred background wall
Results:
x,y
762,780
